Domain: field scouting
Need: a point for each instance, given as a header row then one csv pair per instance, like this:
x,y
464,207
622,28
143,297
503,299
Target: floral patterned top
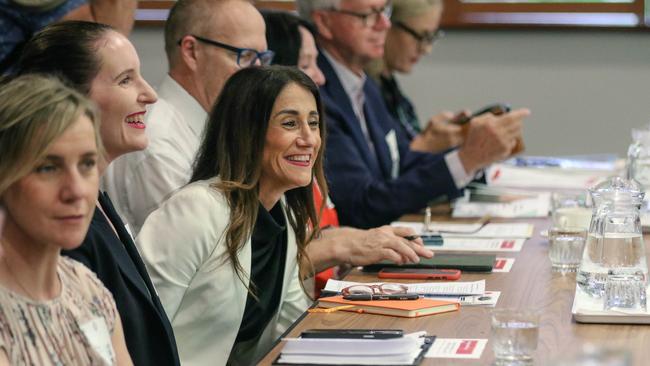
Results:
x,y
72,329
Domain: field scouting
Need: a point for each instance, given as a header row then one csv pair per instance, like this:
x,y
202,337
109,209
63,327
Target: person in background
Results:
x,y
139,182
225,250
206,41
374,176
53,310
102,63
292,40
20,19
412,35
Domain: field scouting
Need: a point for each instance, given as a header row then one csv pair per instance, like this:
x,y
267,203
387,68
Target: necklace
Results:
x,y
11,272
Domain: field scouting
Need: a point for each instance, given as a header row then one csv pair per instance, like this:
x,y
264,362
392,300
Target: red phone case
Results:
x,y
451,275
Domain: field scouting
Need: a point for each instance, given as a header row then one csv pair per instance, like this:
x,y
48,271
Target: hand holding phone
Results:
x,y
420,273
497,109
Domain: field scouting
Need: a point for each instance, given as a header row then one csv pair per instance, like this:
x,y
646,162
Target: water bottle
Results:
x,y
615,240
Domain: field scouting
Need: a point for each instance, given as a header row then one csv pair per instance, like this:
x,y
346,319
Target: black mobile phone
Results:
x,y
353,333
463,262
496,109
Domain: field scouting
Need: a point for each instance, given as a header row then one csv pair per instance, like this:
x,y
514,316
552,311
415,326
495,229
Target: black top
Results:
x,y
117,263
269,253
399,106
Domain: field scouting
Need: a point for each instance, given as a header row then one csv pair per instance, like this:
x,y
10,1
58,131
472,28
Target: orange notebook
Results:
x,y
402,308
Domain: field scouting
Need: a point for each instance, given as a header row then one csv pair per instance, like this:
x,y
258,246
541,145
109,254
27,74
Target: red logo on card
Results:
x,y
466,347
499,263
509,244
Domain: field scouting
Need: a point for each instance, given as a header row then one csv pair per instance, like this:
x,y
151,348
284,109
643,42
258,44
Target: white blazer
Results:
x,y
183,246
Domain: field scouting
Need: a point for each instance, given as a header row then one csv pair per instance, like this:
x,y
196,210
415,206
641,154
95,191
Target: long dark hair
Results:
x,y
67,50
283,36
232,149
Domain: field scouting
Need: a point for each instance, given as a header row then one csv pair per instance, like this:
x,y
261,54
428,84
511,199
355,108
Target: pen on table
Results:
x,y
367,297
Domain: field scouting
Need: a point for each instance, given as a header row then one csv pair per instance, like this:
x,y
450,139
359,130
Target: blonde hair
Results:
x,y
34,111
405,9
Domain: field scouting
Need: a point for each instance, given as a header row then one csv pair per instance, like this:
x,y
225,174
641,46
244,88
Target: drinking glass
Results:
x,y
625,290
514,335
570,209
565,248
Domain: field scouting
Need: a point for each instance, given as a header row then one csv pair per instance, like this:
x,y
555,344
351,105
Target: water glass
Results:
x,y
570,210
514,335
625,290
566,245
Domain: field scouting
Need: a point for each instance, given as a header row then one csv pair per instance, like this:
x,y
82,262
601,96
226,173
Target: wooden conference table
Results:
x,y
530,284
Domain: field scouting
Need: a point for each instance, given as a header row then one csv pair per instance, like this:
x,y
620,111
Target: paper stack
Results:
x,y
407,350
465,293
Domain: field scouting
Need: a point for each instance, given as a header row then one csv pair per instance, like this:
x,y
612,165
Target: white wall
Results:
x,y
586,89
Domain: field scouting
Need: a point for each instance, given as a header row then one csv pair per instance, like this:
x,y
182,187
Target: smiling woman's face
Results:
x,y
291,145
122,96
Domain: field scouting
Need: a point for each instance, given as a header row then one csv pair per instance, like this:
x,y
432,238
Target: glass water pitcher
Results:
x,y
615,240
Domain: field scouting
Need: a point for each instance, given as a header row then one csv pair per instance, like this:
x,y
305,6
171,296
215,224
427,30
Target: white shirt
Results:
x,y
139,182
183,245
353,86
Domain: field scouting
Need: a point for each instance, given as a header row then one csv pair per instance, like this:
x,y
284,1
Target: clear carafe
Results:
x,y
615,240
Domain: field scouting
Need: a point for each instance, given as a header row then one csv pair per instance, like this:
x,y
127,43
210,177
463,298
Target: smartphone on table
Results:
x,y
353,333
420,273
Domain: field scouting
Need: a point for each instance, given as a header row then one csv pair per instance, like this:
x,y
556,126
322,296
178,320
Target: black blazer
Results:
x,y
116,261
362,185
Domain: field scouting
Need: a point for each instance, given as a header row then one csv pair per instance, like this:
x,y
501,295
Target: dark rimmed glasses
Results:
x,y
245,56
425,39
371,18
381,289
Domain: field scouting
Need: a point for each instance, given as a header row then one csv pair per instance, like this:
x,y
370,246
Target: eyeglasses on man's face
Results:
x,y
245,56
370,18
425,39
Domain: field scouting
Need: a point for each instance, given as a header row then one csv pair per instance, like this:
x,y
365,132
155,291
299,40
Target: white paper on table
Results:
x,y
536,206
489,299
457,348
478,245
432,288
335,351
503,175
503,264
491,230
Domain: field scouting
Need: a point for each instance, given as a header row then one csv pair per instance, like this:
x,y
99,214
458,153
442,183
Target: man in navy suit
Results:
x,y
374,177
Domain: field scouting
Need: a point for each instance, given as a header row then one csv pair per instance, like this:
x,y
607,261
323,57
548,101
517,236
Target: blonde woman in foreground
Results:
x,y
53,310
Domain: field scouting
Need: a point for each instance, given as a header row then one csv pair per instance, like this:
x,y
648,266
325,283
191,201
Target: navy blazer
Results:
x,y
117,263
363,188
